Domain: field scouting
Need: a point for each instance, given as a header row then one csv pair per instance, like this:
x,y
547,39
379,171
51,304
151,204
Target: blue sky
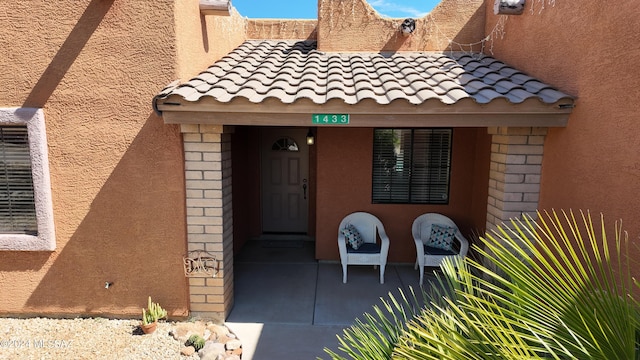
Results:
x,y
307,9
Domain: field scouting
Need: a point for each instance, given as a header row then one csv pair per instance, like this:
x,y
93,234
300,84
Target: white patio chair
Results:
x,y
369,252
428,251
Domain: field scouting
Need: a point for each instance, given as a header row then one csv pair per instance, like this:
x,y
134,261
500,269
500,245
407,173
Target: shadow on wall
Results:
x,y
22,261
68,52
133,236
470,31
205,33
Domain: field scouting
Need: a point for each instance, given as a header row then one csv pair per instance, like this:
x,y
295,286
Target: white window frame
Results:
x,y
33,118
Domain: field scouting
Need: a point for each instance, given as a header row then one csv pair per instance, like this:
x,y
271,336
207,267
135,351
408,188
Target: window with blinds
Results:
x,y
411,166
17,203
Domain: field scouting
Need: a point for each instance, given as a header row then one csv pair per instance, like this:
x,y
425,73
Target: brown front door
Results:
x,y
285,185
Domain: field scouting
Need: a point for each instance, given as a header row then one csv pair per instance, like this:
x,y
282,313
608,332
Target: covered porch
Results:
x,y
278,315
498,118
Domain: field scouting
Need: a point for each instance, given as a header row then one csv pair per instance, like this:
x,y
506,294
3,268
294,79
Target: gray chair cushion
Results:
x,y
366,248
437,251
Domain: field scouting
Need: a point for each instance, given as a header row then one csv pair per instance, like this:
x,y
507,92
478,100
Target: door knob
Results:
x,y
304,188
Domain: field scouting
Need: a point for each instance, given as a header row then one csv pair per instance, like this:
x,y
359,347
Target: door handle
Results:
x,y
304,188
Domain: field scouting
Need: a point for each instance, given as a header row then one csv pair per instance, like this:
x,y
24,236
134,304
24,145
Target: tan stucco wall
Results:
x,y
116,169
353,25
344,168
275,29
591,51
203,39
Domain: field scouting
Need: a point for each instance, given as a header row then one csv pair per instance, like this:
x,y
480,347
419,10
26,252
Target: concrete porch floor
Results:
x,y
289,306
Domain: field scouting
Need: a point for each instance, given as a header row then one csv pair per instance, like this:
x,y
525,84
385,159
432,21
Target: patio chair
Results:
x,y
436,237
357,242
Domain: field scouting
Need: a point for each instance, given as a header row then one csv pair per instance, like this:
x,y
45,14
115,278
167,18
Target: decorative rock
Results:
x,y
223,339
233,344
116,334
187,351
237,352
219,330
220,343
183,330
211,351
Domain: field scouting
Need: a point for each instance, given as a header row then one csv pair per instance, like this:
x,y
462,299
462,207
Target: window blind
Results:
x,y
17,203
411,165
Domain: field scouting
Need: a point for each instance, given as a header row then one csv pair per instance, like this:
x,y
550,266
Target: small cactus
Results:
x,y
153,313
147,317
196,341
156,310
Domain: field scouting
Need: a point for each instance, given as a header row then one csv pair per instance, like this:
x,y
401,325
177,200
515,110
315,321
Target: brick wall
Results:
x,y
514,180
207,152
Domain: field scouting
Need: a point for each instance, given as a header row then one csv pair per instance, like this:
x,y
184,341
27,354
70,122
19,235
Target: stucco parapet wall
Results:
x,y
353,25
283,29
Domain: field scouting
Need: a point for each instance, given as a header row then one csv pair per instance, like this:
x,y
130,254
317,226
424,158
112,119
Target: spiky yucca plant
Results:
x,y
554,288
376,336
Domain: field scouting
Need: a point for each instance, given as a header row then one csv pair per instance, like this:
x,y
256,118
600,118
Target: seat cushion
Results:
x,y
441,237
352,236
428,250
366,248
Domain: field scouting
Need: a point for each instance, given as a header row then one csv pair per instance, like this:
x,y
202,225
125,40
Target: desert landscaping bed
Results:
x,y
100,338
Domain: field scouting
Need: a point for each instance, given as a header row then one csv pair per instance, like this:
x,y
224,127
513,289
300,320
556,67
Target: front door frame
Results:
x,y
296,172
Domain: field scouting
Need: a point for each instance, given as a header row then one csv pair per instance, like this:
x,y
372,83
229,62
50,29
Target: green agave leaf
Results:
x,y
552,288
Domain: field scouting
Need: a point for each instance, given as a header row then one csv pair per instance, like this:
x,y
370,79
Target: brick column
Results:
x,y
207,153
516,166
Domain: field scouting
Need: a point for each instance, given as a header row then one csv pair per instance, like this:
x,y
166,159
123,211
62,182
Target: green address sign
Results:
x,y
330,119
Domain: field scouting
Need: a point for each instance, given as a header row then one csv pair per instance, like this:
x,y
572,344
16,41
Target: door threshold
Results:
x,y
285,237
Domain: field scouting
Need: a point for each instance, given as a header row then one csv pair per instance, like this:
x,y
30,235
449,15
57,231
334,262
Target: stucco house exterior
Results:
x,y
157,129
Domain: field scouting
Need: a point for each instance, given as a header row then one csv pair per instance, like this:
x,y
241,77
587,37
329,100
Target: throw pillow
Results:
x,y
441,237
352,236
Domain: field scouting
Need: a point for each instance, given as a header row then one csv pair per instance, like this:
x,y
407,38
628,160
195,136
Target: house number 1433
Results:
x,y
330,119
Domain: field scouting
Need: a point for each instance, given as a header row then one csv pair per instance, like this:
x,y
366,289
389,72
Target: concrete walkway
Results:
x,y
289,306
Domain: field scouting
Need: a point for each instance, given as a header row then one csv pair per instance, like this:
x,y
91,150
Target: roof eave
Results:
x,y
368,113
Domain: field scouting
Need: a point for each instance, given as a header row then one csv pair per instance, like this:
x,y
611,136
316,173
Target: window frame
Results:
x,y
33,119
412,182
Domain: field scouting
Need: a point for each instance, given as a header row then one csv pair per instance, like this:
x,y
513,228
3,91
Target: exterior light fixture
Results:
x,y
310,139
215,7
408,26
509,7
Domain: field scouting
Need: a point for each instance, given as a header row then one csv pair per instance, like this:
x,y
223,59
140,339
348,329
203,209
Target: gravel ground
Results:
x,y
94,338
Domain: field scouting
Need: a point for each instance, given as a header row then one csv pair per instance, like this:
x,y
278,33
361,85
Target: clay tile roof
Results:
x,y
291,71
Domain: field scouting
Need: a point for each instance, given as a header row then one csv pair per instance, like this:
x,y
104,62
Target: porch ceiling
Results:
x,y
283,82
